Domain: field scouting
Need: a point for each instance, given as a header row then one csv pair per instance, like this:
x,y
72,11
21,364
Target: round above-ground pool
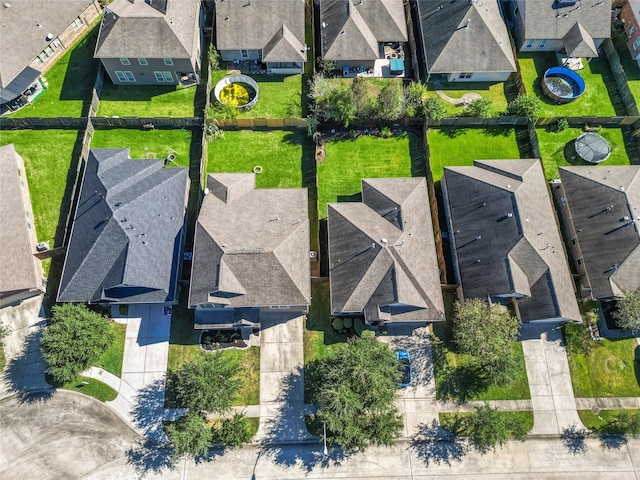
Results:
x,y
238,91
562,84
592,148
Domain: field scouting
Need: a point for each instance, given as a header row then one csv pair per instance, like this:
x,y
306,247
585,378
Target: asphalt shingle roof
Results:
x,y
382,256
506,238
127,230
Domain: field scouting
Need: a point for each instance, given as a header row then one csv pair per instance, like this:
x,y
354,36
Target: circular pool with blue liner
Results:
x,y
562,85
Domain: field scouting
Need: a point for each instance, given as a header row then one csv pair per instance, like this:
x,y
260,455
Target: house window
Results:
x,y
143,61
579,261
168,77
574,240
162,77
49,50
636,44
244,53
130,77
124,61
543,43
530,43
39,61
465,75
77,23
125,76
168,61
516,11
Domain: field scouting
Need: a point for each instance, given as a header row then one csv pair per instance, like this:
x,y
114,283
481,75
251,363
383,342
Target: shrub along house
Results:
x,y
35,33
251,253
267,32
151,42
505,238
464,42
576,28
21,273
382,256
127,233
600,208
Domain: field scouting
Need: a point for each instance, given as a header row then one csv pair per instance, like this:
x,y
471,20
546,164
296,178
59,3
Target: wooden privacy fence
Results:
x,y
262,123
620,77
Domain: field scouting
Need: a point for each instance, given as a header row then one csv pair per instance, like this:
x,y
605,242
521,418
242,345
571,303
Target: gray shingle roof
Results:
x,y
127,231
578,42
506,238
140,30
25,26
351,30
542,20
258,24
20,269
251,245
465,36
608,237
382,256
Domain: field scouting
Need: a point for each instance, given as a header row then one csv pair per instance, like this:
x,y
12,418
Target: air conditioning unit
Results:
x,y
42,246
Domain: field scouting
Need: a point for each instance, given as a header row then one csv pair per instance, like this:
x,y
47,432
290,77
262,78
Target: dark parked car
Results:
x,y
407,374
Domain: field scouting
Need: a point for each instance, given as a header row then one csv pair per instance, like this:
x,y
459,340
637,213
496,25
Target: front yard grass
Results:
x,y
111,360
609,370
156,143
70,82
630,66
494,92
594,101
348,161
553,145
147,100
460,147
451,421
278,152
604,420
88,386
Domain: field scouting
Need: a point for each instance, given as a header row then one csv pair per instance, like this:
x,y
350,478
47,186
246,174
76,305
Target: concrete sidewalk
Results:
x,y
552,399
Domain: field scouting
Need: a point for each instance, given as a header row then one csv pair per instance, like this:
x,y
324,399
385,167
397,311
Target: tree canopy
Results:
x,y
190,435
628,313
75,338
487,428
356,389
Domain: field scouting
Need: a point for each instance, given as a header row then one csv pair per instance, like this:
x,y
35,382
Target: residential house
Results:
x,y
576,28
269,32
152,42
382,256
600,207
251,253
630,15
465,41
21,273
35,33
363,35
505,238
128,231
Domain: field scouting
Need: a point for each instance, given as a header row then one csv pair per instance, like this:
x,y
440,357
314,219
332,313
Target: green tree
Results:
x,y
208,383
75,338
356,389
214,58
479,108
190,435
434,108
341,106
628,313
486,428
487,332
364,102
389,106
415,94
525,106
233,432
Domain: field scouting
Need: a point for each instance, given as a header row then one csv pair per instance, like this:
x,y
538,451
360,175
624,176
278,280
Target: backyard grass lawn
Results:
x,y
279,96
147,143
278,152
466,384
348,161
449,421
89,386
70,82
319,339
552,147
607,371
111,360
47,157
595,99
630,66
601,422
493,92
463,146
147,100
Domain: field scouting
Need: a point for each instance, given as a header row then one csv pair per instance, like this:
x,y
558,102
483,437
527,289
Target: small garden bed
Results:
x,y
211,340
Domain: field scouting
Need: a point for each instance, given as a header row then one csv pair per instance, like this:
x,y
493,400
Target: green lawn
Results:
x,y
630,66
278,152
610,370
493,92
594,101
70,82
602,421
462,146
348,161
147,100
147,143
47,157
450,421
88,386
552,149
111,360
319,339
279,96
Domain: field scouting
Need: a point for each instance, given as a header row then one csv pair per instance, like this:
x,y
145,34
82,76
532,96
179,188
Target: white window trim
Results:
x,y
77,23
244,53
543,43
168,77
143,61
125,76
530,43
168,61
125,61
636,44
159,76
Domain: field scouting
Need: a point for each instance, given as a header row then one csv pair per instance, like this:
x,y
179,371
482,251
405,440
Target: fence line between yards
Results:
x,y
620,77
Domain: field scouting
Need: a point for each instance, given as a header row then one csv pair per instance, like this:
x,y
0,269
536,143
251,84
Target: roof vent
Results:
x,y
42,246
7,5
384,240
49,37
